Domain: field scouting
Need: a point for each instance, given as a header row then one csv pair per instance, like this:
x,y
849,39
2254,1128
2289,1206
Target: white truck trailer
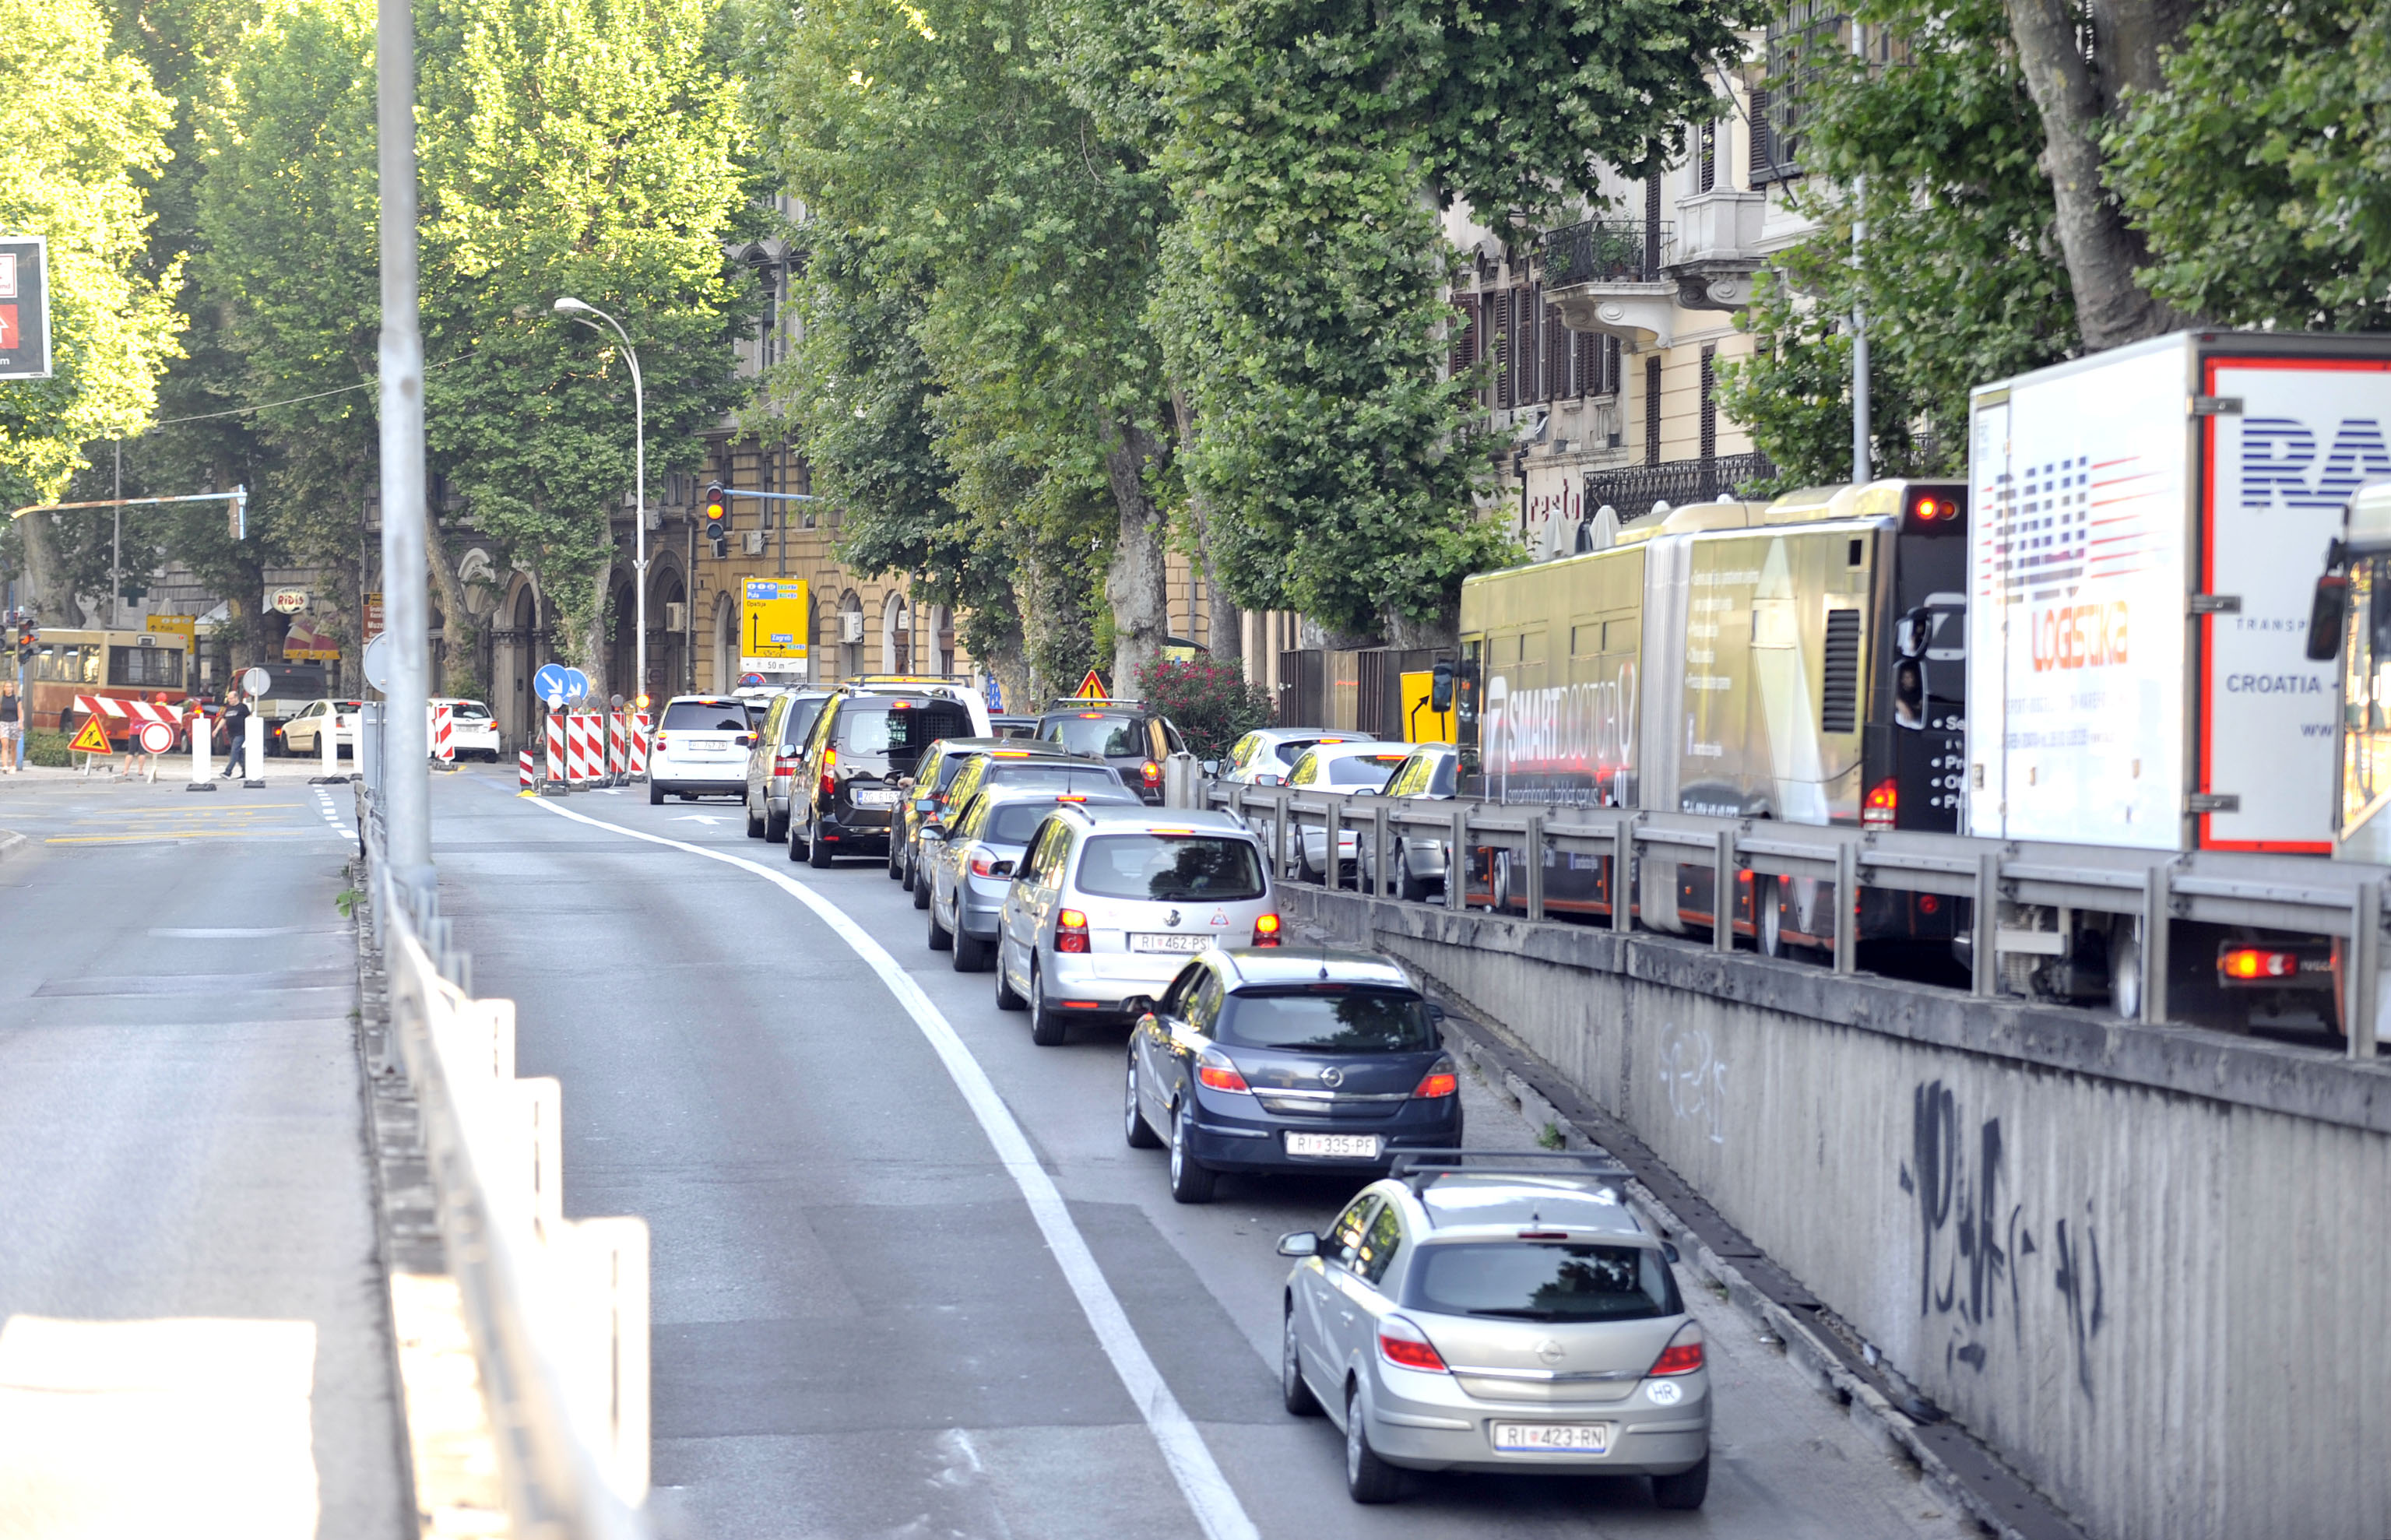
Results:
x,y
2148,523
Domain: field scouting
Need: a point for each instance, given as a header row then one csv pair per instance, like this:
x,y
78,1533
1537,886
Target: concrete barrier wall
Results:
x,y
2151,1265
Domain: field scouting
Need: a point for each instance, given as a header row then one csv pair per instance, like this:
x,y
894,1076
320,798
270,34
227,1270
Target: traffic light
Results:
x,y
28,640
717,511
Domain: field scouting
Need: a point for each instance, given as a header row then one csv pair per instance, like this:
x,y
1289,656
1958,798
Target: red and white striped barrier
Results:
x,y
444,734
127,715
582,747
619,748
556,776
523,776
639,734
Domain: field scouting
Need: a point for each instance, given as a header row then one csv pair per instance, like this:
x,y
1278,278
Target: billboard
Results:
x,y
24,307
775,625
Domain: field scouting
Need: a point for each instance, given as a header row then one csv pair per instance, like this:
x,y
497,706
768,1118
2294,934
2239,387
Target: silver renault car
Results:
x,y
1497,1311
1110,902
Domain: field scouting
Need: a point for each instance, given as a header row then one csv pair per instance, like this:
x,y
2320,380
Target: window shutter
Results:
x,y
1500,317
1532,350
1709,404
1763,142
1465,333
1586,345
1652,409
1557,355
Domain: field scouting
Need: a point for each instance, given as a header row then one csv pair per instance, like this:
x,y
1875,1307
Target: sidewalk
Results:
x,y
173,769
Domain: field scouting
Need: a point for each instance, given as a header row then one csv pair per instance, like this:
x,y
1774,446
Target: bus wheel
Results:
x,y
2126,975
1768,917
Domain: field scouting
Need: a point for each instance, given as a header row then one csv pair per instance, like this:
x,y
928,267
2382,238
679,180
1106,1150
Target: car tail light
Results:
x,y
1441,1079
829,782
983,864
1218,1072
1683,1355
783,766
1071,931
1883,803
1152,771
660,740
2258,963
1404,1345
1266,930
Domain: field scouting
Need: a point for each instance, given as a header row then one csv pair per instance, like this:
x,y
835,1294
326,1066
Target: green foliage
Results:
x,y
1959,275
1210,703
2261,173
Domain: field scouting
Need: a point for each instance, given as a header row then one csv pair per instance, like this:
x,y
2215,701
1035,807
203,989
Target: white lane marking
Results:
x,y
1208,1490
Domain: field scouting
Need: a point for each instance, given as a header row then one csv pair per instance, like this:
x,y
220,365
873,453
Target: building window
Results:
x,y
1652,225
1706,147
1801,42
1652,409
1709,404
1465,335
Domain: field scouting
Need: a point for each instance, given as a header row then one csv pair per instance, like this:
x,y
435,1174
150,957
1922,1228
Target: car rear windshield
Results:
x,y
798,721
899,731
1171,868
1440,783
1018,776
1328,1018
1015,822
1092,732
705,716
468,711
1364,769
1543,1281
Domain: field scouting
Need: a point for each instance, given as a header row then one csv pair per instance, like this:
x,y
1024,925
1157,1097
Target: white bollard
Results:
x,y
328,739
203,771
252,751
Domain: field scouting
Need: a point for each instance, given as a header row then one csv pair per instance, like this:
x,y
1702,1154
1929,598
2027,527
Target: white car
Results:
x,y
701,748
302,734
1353,770
1263,757
472,730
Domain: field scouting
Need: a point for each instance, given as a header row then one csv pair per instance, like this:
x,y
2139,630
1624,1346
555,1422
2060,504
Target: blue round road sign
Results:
x,y
558,685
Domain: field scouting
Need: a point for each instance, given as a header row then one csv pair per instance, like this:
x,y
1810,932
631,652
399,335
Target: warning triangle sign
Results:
x,y
1093,689
92,739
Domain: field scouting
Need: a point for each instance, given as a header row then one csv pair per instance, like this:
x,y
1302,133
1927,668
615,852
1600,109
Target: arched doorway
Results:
x,y
896,635
514,658
667,637
622,642
938,641
725,643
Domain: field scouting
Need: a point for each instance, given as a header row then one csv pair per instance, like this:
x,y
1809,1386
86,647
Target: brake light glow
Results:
x,y
1070,796
1405,1345
1215,1069
1883,804
983,864
783,766
1441,1079
1266,930
1683,1355
2258,963
1071,931
1152,772
1092,716
660,740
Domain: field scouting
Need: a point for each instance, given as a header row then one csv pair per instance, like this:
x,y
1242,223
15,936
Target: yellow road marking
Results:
x,y
177,834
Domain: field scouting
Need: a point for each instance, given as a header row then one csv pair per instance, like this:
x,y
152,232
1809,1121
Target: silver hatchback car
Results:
x,y
966,868
1110,902
1497,1311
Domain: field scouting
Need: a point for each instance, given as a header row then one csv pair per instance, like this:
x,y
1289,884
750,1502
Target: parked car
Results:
x,y
302,734
700,749
1496,1312
472,731
924,801
1353,768
845,791
1260,1060
1418,859
1110,902
967,866
1122,733
1263,757
1030,767
772,760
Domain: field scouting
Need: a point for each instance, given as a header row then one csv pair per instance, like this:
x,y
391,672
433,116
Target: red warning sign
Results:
x,y
92,739
1093,689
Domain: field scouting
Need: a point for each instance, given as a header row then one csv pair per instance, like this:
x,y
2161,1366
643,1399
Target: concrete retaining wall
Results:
x,y
2151,1265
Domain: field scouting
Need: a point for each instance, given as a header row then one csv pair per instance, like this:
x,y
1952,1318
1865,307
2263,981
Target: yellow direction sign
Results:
x,y
1093,689
775,625
92,739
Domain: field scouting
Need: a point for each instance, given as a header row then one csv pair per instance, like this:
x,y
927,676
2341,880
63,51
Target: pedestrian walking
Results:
x,y
12,728
235,721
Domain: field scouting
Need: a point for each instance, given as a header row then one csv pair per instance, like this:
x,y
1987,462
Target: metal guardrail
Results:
x,y
1606,250
557,1308
2302,895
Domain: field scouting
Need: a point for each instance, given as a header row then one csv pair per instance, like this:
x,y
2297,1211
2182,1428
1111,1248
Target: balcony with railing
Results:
x,y
1604,250
1629,278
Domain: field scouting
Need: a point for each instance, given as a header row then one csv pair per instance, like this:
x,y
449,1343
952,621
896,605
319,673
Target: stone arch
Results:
x,y
668,670
518,646
896,633
726,642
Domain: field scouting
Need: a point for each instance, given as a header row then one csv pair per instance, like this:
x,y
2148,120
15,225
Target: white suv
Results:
x,y
701,748
1111,902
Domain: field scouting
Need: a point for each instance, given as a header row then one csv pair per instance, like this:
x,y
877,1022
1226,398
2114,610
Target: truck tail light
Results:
x,y
1218,1073
1152,771
1441,1079
1683,1355
2249,963
1266,930
1883,805
1404,1345
1071,931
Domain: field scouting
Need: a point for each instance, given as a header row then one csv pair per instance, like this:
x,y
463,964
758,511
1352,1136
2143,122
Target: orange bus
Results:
x,y
129,665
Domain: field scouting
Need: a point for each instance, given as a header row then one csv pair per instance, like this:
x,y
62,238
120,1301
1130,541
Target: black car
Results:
x,y
861,745
1122,733
1270,1059
1019,766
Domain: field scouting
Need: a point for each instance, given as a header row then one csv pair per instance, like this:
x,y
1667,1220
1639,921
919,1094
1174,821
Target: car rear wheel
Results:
x,y
797,845
941,939
754,824
921,885
1134,1128
895,869
1293,1392
1047,1028
971,953
1685,1490
655,795
1007,997
776,825
1407,881
1191,1180
817,853
1367,1478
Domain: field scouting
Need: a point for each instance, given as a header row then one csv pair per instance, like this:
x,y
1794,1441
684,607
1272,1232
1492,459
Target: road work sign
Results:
x,y
92,739
1093,689
775,624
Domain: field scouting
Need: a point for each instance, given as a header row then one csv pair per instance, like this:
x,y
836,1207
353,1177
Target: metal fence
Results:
x,y
557,1308
1606,250
1636,488
2301,895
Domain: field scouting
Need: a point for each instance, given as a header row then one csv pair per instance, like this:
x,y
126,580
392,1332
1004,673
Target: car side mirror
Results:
x,y
1440,688
1299,1243
1210,766
2328,616
1669,1250
1435,1011
933,831
1267,778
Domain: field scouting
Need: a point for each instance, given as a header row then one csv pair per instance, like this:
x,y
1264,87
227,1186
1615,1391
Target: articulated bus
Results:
x,y
1802,660
129,665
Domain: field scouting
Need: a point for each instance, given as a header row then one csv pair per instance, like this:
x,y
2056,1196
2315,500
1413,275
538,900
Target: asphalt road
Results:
x,y
866,1324
192,1319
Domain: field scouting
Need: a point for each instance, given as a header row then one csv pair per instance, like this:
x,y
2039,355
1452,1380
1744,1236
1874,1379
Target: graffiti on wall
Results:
x,y
1695,1078
1978,1247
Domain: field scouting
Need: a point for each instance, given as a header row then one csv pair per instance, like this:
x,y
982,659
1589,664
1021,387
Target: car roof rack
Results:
x,y
1418,1169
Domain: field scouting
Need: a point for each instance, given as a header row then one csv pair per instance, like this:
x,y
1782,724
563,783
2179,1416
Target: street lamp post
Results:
x,y
568,305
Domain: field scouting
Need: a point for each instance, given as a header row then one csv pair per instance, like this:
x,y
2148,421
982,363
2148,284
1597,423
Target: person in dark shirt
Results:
x,y
235,722
12,728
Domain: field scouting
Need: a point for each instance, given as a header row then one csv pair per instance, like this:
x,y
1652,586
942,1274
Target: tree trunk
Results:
x,y
2075,97
1138,586
1226,636
460,636
592,639
45,579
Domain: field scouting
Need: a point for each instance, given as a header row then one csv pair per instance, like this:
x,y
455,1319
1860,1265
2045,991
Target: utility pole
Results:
x,y
116,546
1862,467
406,775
